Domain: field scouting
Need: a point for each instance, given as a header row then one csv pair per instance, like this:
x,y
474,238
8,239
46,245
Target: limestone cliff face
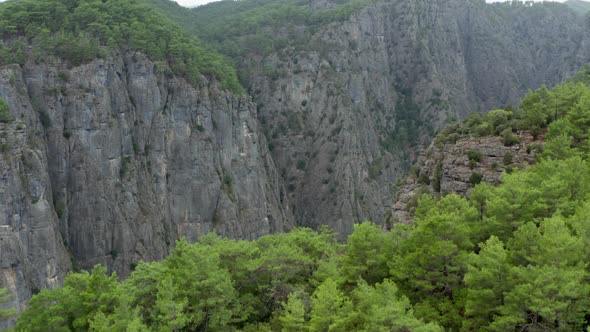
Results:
x,y
112,161
32,251
346,112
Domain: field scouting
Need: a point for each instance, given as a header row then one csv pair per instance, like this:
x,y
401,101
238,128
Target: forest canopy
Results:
x,y
81,30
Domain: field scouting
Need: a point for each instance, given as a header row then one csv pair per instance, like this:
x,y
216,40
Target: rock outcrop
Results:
x,y
112,161
454,168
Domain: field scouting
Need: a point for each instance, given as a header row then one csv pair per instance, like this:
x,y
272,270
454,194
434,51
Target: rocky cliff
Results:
x,y
455,167
112,161
346,110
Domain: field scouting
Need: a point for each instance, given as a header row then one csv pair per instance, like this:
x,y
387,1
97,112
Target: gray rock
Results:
x,y
331,106
112,161
448,167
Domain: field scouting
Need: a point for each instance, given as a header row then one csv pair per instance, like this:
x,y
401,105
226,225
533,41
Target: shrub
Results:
x,y
473,120
228,185
415,170
423,179
45,119
475,178
300,164
228,180
124,166
498,117
535,131
438,174
60,208
535,147
376,168
5,115
452,138
474,155
199,127
507,158
484,129
508,138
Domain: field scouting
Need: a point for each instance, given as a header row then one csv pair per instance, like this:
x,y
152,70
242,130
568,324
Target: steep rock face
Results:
x,y
454,168
32,251
346,112
115,160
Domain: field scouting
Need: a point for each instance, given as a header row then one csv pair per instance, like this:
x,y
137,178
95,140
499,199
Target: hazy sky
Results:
x,y
194,3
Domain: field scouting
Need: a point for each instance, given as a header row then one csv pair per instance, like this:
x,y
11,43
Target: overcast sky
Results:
x,y
194,3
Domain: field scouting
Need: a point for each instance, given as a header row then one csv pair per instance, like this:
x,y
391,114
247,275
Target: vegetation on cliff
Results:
x,y
258,26
5,297
537,110
81,30
5,115
513,256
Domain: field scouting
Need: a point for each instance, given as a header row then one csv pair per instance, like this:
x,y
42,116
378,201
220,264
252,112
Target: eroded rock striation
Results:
x,y
112,161
346,112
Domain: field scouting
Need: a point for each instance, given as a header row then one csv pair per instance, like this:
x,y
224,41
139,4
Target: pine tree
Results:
x,y
487,279
382,308
293,316
331,309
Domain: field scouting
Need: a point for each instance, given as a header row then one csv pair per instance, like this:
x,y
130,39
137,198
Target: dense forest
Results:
x,y
237,28
81,30
510,257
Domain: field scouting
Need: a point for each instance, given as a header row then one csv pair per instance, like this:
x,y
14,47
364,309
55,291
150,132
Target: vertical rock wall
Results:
x,y
112,161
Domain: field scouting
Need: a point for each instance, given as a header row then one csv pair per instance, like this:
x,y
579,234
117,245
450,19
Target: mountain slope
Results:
x,y
348,91
579,6
81,31
511,256
346,105
112,158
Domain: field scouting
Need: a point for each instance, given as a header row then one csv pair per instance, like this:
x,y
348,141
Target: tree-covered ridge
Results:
x,y
510,257
219,19
237,28
537,110
579,6
81,30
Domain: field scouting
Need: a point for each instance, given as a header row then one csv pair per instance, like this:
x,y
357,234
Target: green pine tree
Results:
x,y
293,316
